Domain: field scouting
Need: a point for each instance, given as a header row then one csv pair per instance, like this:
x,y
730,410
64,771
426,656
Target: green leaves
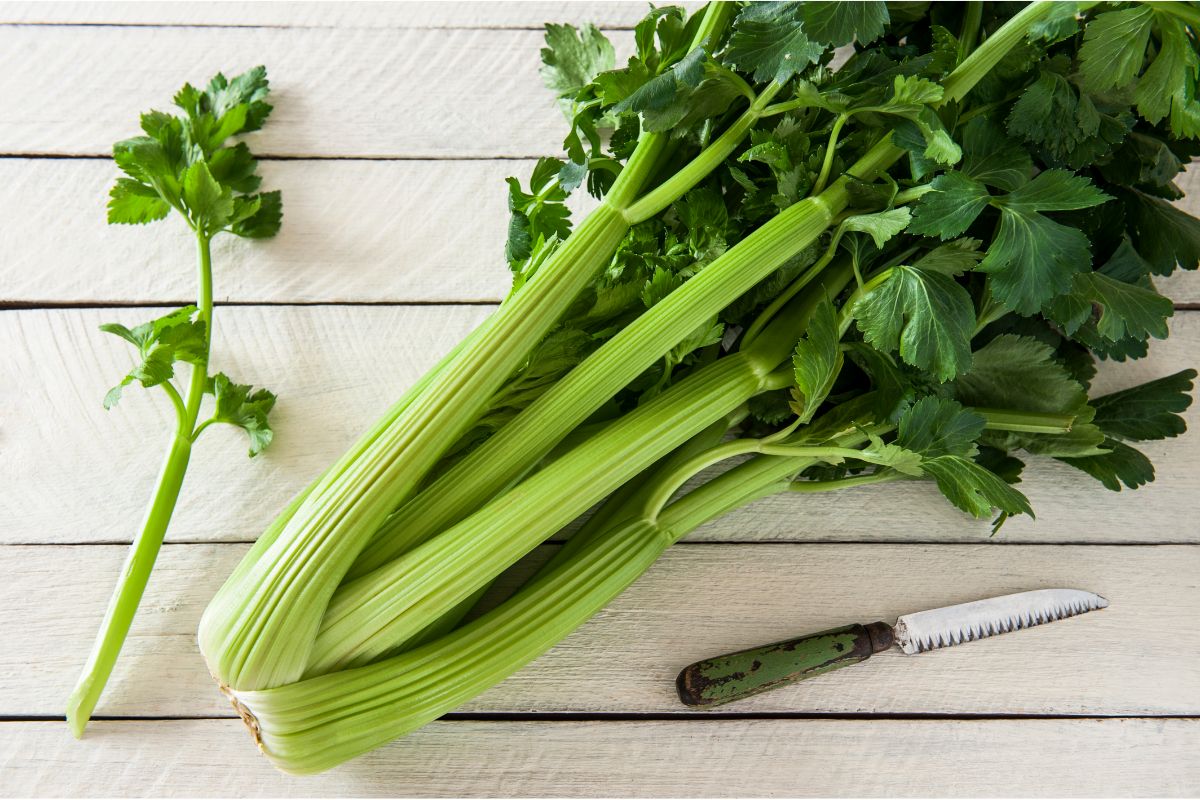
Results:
x,y
1114,46
1127,310
953,205
134,203
769,40
209,205
1163,235
1021,374
1149,411
817,360
1121,464
244,407
838,24
974,489
538,217
924,314
1070,127
572,58
992,158
1033,258
1141,413
934,426
1167,89
182,163
880,226
944,434
177,336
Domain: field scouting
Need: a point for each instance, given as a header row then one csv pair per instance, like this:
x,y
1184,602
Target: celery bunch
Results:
x,y
893,267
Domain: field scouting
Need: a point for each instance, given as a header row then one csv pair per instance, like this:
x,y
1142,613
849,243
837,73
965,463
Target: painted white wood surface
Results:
x,y
354,231
74,472
357,92
357,231
719,758
354,14
697,601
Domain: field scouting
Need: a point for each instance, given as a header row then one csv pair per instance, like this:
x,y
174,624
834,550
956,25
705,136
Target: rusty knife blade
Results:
x,y
966,622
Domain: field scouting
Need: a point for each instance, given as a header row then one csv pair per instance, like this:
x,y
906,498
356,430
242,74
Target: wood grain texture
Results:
x,y
714,758
354,231
1134,658
73,472
337,92
618,14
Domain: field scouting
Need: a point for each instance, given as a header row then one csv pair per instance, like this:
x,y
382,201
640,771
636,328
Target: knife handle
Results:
x,y
731,677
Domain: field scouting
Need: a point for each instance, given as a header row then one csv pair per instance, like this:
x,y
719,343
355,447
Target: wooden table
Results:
x,y
393,128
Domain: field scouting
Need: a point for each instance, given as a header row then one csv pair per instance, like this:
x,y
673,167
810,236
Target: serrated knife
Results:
x,y
731,677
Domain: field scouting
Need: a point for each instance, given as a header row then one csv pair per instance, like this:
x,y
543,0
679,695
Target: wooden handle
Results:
x,y
731,677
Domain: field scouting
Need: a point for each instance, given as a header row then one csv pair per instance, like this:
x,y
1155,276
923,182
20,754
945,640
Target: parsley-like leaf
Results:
x,y
880,226
1021,374
974,489
925,315
992,158
1033,258
1120,464
1126,309
1114,46
176,336
134,203
572,58
769,40
1163,235
954,203
1148,411
937,426
817,360
243,406
840,23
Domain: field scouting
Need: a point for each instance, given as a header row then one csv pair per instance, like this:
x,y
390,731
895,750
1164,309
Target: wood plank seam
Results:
x,y
652,716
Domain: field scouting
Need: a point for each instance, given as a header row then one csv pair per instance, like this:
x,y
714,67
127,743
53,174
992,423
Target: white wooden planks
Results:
x,y
714,758
699,601
336,91
354,231
73,472
333,374
620,14
1133,658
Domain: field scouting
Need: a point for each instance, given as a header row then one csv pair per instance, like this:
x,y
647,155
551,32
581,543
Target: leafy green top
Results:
x,y
1013,247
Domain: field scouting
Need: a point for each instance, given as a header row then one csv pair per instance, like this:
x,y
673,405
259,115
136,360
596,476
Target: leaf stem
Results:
x,y
704,163
204,304
909,195
130,588
883,476
968,35
830,149
181,413
980,62
144,551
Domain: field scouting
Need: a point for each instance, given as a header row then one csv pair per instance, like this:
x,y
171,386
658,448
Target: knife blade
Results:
x,y
734,676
